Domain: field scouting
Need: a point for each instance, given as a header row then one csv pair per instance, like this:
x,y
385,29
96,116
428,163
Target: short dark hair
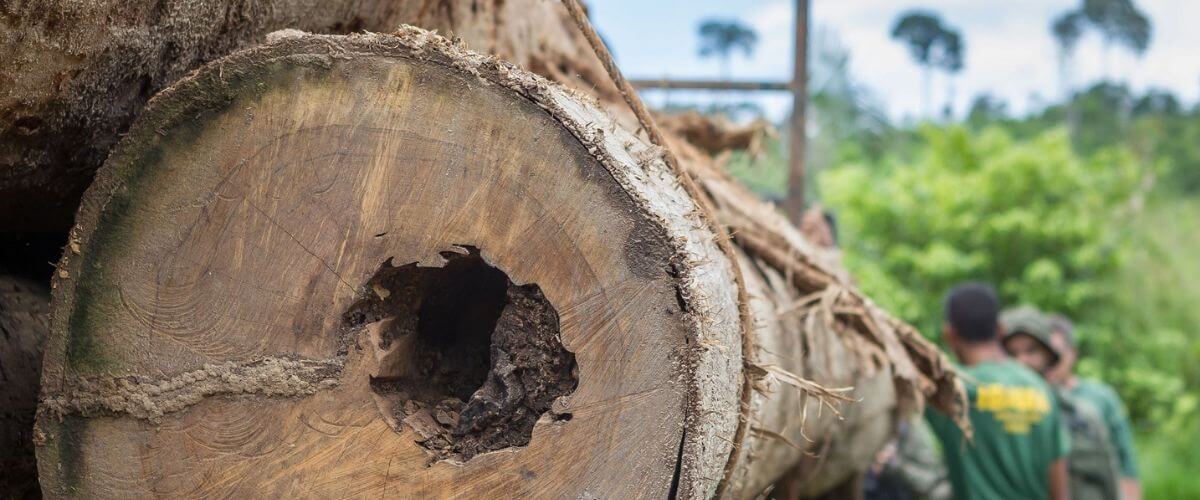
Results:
x,y
973,310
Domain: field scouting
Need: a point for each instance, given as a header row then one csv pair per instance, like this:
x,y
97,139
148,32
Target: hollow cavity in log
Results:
x,y
467,359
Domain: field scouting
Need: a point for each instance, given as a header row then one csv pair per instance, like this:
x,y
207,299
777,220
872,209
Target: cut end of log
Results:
x,y
473,277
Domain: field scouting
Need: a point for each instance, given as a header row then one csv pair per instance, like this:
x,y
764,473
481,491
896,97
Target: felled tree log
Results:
x,y
23,314
383,264
75,74
318,246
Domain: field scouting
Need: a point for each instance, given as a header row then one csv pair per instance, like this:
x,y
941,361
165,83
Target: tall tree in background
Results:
x,y
949,59
932,44
986,109
720,38
1119,22
1067,29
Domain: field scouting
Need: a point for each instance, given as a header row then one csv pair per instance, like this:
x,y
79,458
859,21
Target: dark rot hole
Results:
x,y
467,360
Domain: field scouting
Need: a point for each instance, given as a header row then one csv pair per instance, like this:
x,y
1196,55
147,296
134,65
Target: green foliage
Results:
x,y
1031,217
1155,127
1147,342
1169,462
1172,138
986,110
766,175
1099,116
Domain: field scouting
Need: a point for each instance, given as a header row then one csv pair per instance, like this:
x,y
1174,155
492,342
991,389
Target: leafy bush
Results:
x,y
1031,217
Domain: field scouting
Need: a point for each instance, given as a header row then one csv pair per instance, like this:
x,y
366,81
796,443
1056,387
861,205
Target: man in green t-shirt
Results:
x,y
1092,461
1101,396
1019,444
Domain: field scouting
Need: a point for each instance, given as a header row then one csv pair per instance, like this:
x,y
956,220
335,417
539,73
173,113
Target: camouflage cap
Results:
x,y
1030,321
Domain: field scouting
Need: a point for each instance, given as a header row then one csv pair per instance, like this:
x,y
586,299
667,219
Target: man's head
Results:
x,y
971,311
1028,338
819,226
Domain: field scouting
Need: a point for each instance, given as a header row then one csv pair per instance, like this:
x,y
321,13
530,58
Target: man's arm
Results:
x,y
1060,487
1122,438
1121,435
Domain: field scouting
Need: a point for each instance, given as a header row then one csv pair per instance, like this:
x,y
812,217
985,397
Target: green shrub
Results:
x,y
1030,217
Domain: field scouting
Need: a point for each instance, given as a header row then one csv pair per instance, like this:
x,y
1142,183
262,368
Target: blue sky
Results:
x,y
1010,52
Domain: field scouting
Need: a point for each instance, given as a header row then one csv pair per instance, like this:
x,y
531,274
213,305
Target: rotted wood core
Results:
x,y
466,358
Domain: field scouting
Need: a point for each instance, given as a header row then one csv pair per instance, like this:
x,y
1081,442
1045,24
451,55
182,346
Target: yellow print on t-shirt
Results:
x,y
1017,408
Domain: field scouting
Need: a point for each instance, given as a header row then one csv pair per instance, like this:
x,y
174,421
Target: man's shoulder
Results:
x,y
1077,406
1096,390
1096,386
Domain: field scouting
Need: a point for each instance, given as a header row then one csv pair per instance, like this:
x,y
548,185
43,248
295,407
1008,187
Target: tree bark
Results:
x,y
382,263
23,308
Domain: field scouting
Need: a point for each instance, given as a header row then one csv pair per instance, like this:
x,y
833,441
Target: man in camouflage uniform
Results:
x,y
1092,460
1101,396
